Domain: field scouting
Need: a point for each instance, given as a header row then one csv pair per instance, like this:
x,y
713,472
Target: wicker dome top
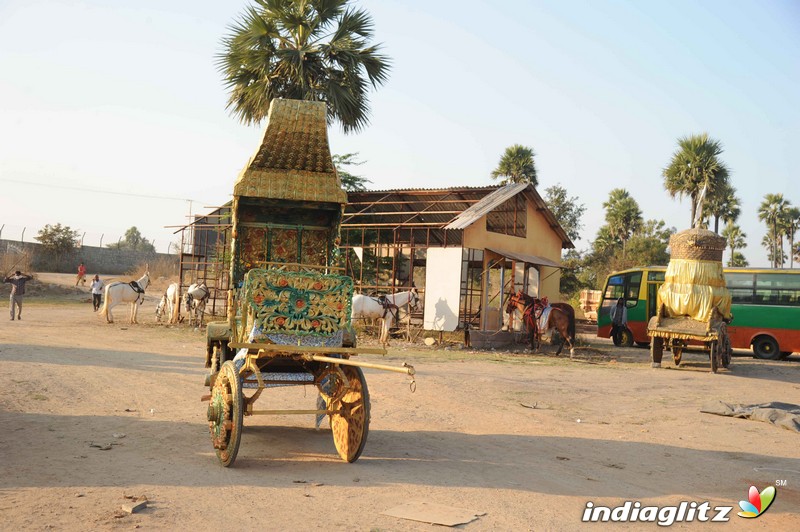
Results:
x,y
293,161
696,244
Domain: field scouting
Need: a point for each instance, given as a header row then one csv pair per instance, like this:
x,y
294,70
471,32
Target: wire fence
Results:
x,y
27,234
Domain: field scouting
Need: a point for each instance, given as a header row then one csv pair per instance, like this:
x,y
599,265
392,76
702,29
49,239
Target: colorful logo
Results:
x,y
758,503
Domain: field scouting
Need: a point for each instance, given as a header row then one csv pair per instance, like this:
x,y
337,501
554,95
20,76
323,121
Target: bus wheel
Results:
x,y
625,338
766,348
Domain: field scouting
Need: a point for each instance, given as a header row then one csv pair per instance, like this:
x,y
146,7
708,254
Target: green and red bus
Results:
x,y
765,307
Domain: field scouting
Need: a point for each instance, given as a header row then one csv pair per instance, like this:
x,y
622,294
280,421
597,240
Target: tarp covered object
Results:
x,y
694,288
784,415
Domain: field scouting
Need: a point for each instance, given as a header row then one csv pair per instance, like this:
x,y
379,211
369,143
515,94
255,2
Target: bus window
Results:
x,y
777,289
656,276
634,281
615,288
740,286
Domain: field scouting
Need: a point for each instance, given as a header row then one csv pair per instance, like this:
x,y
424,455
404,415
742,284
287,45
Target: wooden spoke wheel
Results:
x,y
225,414
350,424
726,350
716,359
677,351
216,354
656,351
677,355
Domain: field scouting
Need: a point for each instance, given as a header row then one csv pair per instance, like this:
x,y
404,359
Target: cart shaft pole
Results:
x,y
406,368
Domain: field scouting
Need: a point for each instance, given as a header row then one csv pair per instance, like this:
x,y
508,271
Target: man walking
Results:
x,y
81,274
97,291
17,282
619,320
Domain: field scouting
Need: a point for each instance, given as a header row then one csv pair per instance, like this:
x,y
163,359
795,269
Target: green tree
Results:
x,y
573,273
772,211
722,205
696,171
134,241
735,238
57,240
516,166
623,215
787,228
648,245
775,256
316,50
738,260
350,182
792,225
568,211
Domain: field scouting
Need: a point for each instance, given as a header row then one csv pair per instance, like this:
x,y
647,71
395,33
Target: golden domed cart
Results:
x,y
694,304
289,306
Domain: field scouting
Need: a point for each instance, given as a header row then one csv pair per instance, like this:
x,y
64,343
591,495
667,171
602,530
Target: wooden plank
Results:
x,y
282,348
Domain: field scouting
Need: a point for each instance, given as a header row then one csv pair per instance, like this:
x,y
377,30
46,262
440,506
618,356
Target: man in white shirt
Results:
x,y
97,292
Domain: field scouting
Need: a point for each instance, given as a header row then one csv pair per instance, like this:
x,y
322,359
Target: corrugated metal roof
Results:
x,y
530,259
501,195
448,208
486,205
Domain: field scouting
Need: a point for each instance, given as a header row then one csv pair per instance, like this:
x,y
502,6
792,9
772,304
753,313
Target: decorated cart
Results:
x,y
694,304
289,310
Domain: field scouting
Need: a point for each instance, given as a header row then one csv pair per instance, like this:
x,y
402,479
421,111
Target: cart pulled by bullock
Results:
x,y
694,305
288,312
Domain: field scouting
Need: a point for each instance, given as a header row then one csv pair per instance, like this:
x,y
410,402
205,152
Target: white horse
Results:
x,y
169,305
384,308
120,292
195,300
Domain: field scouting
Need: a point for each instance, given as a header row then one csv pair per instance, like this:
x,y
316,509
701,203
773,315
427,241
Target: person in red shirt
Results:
x,y
81,274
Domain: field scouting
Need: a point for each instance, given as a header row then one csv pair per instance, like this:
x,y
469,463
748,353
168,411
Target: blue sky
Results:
x,y
103,96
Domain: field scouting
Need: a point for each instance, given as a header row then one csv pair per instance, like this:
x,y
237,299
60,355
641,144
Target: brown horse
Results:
x,y
561,317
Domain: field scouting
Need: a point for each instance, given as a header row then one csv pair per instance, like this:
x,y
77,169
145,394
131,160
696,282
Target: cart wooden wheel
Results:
x,y
656,351
714,350
677,355
215,357
350,425
726,350
225,413
677,351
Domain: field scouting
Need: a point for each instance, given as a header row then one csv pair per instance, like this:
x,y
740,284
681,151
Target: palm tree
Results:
x,y
722,205
304,50
516,166
623,215
792,224
735,238
695,170
771,211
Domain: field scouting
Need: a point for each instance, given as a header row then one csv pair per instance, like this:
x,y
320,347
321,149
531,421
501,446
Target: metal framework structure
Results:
x,y
385,235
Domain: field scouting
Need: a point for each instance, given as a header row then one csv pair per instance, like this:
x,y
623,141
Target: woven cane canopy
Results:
x,y
694,283
294,159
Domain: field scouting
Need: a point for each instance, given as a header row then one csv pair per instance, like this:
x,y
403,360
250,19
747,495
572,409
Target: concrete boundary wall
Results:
x,y
96,259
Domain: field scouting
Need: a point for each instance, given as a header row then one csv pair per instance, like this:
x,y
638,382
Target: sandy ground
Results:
x,y
495,433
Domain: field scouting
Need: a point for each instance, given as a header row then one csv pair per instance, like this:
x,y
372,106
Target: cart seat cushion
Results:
x,y
287,378
296,303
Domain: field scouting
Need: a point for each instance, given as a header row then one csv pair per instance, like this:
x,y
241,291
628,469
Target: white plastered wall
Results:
x,y
442,289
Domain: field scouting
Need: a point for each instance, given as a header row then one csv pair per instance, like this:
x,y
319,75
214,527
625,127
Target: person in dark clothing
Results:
x,y
17,282
619,320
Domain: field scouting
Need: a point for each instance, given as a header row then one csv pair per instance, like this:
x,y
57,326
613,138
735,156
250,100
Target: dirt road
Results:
x,y
526,441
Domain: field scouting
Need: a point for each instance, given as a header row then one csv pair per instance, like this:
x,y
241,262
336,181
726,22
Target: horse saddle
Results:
x,y
136,287
388,306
